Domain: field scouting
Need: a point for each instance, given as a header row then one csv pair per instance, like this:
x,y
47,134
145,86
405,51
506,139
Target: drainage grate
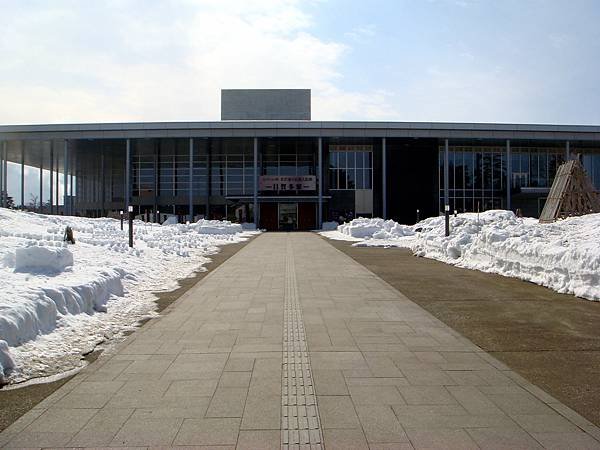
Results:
x,y
300,424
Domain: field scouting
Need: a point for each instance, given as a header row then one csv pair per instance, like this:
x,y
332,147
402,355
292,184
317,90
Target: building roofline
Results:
x,y
261,128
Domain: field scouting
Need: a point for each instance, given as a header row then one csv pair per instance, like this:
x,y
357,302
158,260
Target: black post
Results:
x,y
417,216
130,215
121,220
447,213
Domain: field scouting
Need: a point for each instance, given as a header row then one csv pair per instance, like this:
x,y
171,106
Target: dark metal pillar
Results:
x,y
255,192
567,151
320,181
446,175
51,200
191,186
66,179
41,180
22,175
2,175
384,176
508,175
127,174
102,179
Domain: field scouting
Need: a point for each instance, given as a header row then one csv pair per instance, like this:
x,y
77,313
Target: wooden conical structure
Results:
x,y
572,194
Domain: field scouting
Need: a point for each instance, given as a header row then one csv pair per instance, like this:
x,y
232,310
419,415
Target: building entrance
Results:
x,y
288,216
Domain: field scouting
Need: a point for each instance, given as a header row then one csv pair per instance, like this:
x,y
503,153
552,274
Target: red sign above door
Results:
x,y
287,183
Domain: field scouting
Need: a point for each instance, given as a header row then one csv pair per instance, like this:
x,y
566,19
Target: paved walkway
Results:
x,y
228,366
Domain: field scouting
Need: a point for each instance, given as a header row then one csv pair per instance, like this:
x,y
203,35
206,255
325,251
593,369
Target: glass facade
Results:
x,y
476,178
222,181
288,157
350,169
232,167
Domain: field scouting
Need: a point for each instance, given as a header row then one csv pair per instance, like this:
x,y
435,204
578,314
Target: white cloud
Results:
x,y
146,61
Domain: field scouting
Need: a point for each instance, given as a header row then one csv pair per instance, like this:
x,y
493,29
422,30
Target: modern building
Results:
x,y
266,161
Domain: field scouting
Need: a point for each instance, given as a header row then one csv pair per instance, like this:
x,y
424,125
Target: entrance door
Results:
x,y
307,216
268,216
288,216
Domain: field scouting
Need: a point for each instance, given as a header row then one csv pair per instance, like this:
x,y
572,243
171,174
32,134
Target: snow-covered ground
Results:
x,y
59,301
564,256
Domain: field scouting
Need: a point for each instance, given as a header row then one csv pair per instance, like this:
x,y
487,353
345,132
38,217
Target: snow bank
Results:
x,y
564,256
329,226
58,302
204,226
375,228
36,258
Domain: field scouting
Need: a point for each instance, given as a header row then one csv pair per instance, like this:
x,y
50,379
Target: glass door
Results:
x,y
288,216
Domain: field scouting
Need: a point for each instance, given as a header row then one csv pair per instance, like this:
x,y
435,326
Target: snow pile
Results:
x,y
59,301
375,228
6,362
329,226
205,226
564,256
39,258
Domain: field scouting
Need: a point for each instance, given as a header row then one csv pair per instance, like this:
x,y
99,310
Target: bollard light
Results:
x,y
121,213
418,215
130,211
455,213
447,214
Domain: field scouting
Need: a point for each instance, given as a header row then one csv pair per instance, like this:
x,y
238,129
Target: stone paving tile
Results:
x,y
348,439
503,439
143,431
337,412
579,441
375,395
259,439
387,375
329,382
102,428
380,424
441,439
227,402
427,395
217,431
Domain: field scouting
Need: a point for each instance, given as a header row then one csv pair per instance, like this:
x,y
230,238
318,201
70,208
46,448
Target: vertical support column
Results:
x,y
567,151
56,181
5,174
255,193
2,151
22,175
208,176
65,178
320,181
2,175
51,177
191,191
127,173
102,180
446,175
71,184
384,176
41,180
508,175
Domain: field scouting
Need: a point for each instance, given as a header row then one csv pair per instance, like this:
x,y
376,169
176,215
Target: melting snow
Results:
x,y
564,256
58,302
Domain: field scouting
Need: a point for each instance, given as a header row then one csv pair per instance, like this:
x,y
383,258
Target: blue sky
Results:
x,y
528,61
424,60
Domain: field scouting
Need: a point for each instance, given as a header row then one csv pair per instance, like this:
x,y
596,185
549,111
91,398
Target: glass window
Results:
x,y
354,170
